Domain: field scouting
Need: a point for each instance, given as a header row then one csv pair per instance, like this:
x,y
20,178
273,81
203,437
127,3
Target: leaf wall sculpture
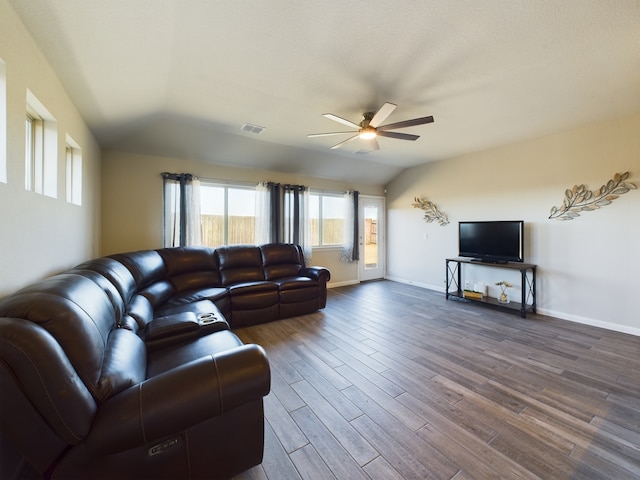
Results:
x,y
580,199
431,211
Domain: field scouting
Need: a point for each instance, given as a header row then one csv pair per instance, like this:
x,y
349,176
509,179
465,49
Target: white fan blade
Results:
x,y
382,114
337,145
341,120
312,135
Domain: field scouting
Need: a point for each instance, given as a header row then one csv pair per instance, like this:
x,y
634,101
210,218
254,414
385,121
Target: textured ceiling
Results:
x,y
181,77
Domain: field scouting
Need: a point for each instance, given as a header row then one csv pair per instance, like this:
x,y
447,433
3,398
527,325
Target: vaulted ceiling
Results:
x,y
180,78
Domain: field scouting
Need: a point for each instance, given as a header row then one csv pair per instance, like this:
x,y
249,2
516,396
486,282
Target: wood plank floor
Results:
x,y
392,381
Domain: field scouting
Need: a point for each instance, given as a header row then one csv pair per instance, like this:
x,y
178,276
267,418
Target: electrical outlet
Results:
x,y
467,285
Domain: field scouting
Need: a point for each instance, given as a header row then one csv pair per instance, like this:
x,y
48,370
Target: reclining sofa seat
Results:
x,y
299,287
253,299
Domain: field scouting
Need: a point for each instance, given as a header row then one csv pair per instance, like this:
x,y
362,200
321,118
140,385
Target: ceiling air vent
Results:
x,y
247,127
363,152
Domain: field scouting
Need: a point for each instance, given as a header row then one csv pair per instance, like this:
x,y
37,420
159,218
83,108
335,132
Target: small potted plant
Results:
x,y
503,284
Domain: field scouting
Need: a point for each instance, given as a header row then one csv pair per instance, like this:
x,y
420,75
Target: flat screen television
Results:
x,y
494,242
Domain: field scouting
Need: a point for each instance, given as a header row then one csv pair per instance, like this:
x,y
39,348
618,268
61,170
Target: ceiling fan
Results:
x,y
369,128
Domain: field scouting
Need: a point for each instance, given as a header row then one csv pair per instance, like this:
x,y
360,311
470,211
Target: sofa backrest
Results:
x,y
146,266
79,317
281,260
76,312
190,268
150,274
114,278
45,405
239,264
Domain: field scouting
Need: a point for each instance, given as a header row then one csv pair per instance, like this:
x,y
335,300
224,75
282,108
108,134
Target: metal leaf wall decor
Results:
x,y
431,211
580,199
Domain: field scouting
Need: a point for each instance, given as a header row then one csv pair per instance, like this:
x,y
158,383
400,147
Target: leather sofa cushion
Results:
x,y
251,288
146,266
254,302
158,292
239,264
76,312
274,272
195,280
125,363
299,294
118,304
191,296
295,283
200,306
160,361
32,355
114,271
141,310
281,260
191,267
253,295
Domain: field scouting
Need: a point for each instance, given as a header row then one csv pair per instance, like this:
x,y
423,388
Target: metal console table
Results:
x,y
528,283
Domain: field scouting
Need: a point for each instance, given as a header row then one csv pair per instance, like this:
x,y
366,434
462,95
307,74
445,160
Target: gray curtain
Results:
x,y
181,198
287,220
350,251
356,224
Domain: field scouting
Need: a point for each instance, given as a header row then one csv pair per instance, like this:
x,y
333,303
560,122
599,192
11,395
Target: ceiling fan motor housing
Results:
x,y
367,132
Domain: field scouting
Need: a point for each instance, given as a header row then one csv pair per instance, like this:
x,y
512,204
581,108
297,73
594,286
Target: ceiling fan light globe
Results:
x,y
367,134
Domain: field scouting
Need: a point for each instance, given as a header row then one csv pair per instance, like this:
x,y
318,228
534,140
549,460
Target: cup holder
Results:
x,y
206,318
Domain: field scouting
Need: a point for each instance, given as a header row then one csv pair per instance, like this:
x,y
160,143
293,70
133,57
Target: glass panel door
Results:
x,y
372,247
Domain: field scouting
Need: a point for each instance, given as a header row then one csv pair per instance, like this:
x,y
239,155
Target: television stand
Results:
x,y
528,283
488,262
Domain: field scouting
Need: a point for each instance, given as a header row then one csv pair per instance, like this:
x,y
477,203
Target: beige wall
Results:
x,y
588,267
132,201
40,235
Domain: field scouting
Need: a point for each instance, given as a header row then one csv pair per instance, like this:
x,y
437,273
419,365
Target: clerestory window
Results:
x,y
41,147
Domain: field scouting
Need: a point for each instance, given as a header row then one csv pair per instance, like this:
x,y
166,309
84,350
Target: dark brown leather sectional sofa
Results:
x,y
127,367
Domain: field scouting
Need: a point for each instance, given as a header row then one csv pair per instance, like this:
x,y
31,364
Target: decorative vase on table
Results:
x,y
503,298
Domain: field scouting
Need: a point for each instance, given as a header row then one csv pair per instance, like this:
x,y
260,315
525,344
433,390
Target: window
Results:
x,y
33,160
41,148
227,214
326,212
3,122
73,177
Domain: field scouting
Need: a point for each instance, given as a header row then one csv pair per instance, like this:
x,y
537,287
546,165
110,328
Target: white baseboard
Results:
x,y
551,313
590,321
342,284
417,284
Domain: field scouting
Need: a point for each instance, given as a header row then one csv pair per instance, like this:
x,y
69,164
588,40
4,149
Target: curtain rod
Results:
x,y
253,184
228,182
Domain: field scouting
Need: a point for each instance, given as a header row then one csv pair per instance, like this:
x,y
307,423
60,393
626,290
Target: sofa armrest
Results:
x,y
316,273
182,397
171,329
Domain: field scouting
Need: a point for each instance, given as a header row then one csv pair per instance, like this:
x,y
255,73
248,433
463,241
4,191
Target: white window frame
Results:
x,y
3,122
226,186
73,168
34,135
321,194
41,149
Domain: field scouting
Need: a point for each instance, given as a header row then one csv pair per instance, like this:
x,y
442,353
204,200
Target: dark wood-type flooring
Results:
x,y
392,381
